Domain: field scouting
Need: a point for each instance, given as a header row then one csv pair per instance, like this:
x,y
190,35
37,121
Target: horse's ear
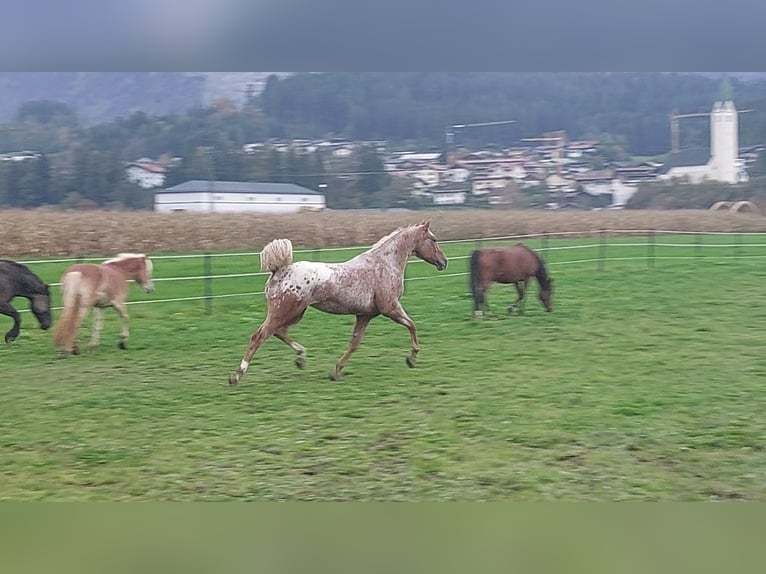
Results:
x,y
425,223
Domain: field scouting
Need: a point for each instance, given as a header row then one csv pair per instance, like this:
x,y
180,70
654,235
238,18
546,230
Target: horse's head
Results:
x,y
144,276
41,307
427,248
545,293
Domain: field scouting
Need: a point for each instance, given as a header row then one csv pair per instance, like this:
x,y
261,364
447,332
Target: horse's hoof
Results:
x,y
121,344
335,376
75,351
234,379
10,338
410,362
300,362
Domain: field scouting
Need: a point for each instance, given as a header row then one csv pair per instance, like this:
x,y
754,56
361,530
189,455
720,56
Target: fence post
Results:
x,y
737,243
697,244
545,245
602,249
650,249
207,272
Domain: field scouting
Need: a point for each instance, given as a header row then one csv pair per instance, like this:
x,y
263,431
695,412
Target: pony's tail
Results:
x,y
475,280
277,254
68,323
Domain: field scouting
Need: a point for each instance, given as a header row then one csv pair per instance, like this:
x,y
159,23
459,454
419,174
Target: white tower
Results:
x,y
724,140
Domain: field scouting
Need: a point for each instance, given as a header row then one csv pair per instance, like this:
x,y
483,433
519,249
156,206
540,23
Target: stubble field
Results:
x,y
646,382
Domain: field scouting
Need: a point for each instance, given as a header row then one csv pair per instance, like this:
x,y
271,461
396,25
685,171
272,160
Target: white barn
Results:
x,y
237,196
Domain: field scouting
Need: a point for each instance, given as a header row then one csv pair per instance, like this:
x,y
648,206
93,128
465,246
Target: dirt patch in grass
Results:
x,y
71,233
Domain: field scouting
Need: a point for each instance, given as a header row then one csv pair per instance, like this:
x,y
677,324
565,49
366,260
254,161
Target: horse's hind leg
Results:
x,y
256,340
6,309
362,321
73,346
299,349
98,325
480,300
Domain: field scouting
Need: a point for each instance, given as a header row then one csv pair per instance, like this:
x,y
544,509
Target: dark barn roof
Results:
x,y
201,185
685,158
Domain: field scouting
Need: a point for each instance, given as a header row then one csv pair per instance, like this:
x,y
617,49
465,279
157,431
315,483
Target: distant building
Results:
x,y
721,162
145,173
237,196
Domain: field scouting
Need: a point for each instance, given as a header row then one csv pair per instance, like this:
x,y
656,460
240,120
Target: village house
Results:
x,y
145,173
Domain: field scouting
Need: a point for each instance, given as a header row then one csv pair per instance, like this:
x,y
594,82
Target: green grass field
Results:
x,y
645,383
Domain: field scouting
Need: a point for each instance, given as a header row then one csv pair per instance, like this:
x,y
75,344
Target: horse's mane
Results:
x,y
124,256
26,275
390,236
20,266
542,272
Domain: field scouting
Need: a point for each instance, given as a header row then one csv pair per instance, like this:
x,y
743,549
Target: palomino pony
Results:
x,y
86,285
368,285
515,264
17,280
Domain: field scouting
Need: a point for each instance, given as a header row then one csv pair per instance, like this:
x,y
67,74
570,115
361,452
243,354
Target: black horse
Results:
x,y
17,280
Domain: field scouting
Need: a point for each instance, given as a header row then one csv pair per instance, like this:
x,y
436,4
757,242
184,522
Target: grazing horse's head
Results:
x,y
41,307
545,293
427,248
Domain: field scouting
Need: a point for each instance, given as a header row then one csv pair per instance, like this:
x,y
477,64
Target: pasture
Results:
x,y
645,383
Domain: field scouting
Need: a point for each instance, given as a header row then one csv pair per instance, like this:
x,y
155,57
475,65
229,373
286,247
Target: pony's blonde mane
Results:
x,y
124,256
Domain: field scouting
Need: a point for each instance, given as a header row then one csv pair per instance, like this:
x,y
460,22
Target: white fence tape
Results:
x,y
560,234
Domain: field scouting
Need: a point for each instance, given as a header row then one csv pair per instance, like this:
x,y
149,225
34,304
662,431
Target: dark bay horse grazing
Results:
x,y
368,285
86,285
515,264
16,280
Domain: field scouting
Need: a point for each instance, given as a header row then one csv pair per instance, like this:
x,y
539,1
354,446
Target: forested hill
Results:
x,y
630,109
102,96
418,106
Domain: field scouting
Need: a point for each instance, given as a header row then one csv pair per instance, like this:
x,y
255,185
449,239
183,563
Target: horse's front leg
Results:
x,y
6,309
122,311
399,315
519,299
362,321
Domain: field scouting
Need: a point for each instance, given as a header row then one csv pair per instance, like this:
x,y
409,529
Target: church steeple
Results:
x,y
725,90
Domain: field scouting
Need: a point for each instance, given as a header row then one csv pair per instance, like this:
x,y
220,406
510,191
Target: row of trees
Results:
x,y
90,178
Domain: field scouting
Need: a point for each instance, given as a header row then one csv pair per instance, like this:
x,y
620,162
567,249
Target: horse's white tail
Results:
x,y
69,322
277,254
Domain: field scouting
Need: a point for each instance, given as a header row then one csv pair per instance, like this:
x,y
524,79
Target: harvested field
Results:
x,y
72,233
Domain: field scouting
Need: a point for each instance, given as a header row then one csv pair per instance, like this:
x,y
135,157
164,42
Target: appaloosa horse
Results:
x,y
515,264
16,280
86,285
368,285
